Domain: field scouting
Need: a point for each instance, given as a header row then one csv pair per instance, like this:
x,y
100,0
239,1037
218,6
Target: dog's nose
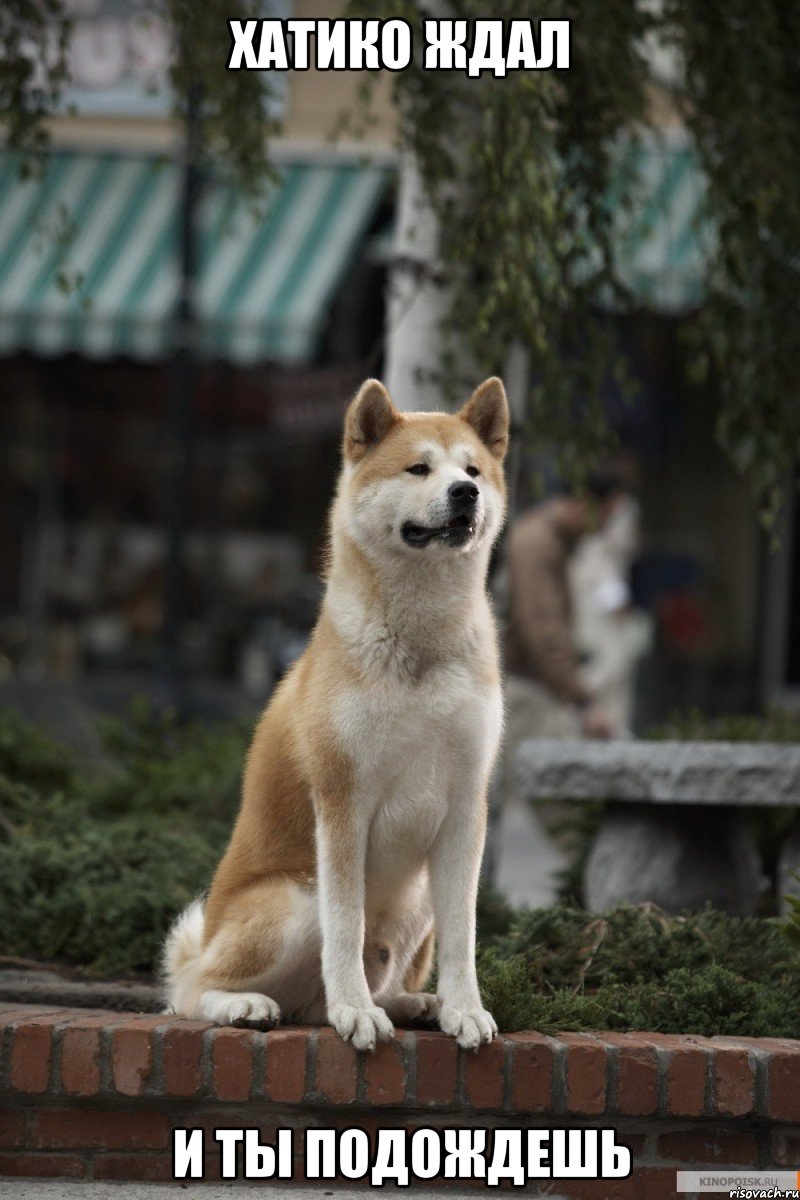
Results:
x,y
462,494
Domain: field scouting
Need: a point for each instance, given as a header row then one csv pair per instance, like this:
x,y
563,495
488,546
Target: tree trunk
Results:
x,y
417,300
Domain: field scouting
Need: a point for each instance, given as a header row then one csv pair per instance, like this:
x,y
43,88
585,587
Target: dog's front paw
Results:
x,y
249,1009
469,1026
361,1026
413,1006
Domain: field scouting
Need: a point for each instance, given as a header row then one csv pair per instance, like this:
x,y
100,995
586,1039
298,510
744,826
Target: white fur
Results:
x,y
239,1008
184,943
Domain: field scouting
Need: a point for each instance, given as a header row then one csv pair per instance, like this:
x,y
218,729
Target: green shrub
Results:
x,y
567,947
30,756
792,923
95,863
637,968
160,765
710,1002
692,725
100,894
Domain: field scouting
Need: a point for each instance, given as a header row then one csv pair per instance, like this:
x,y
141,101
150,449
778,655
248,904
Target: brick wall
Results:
x,y
89,1094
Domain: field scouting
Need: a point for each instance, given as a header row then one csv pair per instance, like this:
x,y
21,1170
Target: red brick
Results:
x,y
31,1054
709,1147
784,1085
11,1013
585,1074
483,1075
686,1071
212,1167
635,1142
299,1173
41,1166
232,1063
77,1129
81,1018
785,1149
531,1073
385,1073
286,1065
658,1183
773,1045
80,1061
152,1168
131,1058
89,1018
637,1081
268,1132
12,1128
208,1119
371,1126
337,1066
637,1074
437,1063
686,1082
182,1049
734,1083
599,1189
723,1042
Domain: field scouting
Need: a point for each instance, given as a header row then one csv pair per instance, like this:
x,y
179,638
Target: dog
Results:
x,y
363,812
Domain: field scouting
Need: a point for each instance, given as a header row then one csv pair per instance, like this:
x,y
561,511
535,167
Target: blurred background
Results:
x,y
135,432
175,359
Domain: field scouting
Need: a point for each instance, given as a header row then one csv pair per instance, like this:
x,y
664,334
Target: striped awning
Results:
x,y
663,246
89,257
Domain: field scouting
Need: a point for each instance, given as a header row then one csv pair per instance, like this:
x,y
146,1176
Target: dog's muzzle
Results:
x,y
462,498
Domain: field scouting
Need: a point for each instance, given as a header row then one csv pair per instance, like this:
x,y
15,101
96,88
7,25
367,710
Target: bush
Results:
x,y
637,968
30,756
159,765
691,725
95,862
100,895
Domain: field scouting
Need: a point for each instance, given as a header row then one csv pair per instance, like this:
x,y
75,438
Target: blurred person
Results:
x,y
611,634
547,695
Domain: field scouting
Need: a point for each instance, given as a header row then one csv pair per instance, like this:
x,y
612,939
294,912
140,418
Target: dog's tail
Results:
x,y
180,959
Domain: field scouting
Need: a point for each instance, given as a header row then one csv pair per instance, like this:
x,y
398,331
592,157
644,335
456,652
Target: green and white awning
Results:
x,y
662,244
88,252
88,257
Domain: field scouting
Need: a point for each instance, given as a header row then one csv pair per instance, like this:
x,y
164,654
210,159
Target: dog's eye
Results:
x,y
419,469
472,471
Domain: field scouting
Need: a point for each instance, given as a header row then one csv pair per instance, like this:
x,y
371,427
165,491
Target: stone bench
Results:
x,y
672,832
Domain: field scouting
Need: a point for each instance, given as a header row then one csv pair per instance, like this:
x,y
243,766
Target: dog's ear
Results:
x,y
369,418
487,412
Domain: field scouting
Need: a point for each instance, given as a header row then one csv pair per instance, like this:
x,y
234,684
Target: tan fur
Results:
x,y
417,974
303,771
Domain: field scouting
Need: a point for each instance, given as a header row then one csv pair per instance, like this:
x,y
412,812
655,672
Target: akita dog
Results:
x,y
363,814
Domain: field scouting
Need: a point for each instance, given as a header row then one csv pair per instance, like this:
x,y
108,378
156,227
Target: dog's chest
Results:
x,y
415,750
392,731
